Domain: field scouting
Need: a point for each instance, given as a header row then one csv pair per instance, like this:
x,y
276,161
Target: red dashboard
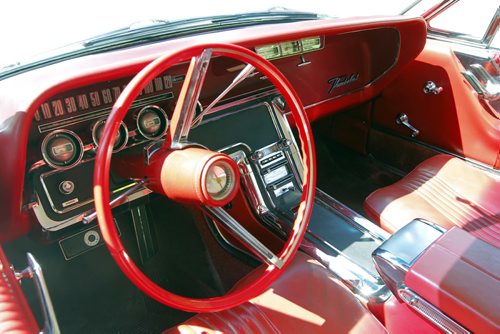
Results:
x,y
357,59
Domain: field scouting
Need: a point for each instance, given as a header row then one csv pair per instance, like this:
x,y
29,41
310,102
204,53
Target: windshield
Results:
x,y
31,28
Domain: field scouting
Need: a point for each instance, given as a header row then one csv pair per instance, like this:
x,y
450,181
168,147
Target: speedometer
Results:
x,y
121,136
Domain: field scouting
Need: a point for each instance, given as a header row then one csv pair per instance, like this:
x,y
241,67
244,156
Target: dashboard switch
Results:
x,y
66,187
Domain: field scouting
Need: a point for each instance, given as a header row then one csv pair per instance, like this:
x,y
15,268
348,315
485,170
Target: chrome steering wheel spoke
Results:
x,y
188,98
240,233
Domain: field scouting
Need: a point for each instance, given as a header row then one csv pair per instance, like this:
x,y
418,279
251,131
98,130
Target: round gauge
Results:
x,y
62,149
152,122
121,137
220,180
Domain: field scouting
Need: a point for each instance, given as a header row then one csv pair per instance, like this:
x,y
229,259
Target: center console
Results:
x,y
271,171
448,277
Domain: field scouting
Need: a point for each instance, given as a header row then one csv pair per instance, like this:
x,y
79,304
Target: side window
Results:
x,y
469,20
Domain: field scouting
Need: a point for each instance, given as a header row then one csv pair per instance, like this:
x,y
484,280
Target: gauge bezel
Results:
x,y
165,117
78,141
123,127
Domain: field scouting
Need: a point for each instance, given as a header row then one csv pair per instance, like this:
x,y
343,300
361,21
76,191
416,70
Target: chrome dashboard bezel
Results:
x,y
165,117
102,122
45,156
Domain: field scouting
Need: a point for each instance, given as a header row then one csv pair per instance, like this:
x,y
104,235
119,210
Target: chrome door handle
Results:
x,y
431,87
402,119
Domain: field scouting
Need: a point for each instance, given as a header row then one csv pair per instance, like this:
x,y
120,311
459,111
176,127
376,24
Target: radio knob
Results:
x,y
66,187
257,155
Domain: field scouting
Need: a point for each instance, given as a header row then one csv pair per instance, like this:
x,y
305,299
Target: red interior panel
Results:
x,y
455,120
347,63
15,314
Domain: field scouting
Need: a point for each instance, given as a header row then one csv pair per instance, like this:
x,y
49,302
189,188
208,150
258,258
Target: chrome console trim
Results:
x,y
352,217
396,255
253,194
430,312
365,286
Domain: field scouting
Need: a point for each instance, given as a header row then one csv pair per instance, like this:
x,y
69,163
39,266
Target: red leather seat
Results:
x,y
304,299
15,314
446,191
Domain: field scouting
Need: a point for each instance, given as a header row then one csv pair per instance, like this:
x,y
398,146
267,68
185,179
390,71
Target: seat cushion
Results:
x,y
306,298
446,191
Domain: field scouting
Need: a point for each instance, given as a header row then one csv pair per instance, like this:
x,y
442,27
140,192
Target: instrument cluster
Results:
x,y
63,148
68,127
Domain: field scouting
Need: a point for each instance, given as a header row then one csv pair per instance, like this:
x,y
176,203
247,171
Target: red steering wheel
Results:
x,y
190,184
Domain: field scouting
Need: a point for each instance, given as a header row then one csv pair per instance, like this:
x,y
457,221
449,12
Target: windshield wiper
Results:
x,y
138,31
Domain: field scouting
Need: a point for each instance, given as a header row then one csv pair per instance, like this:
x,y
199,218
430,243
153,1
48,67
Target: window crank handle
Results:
x,y
402,119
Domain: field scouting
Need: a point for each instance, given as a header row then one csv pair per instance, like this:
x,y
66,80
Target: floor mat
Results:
x,y
348,175
91,295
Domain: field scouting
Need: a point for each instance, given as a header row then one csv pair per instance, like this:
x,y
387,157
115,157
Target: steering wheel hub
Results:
x,y
199,176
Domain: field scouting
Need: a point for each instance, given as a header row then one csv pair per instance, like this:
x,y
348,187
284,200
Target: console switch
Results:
x,y
275,174
284,189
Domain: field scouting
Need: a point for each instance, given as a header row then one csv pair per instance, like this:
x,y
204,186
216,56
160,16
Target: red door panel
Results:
x,y
455,120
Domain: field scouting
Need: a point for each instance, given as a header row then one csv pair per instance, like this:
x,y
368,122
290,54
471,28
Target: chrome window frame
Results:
x,y
456,37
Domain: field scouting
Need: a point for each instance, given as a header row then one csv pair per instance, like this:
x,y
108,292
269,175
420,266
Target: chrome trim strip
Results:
x,y
253,193
49,224
437,9
430,312
73,207
35,272
257,247
365,286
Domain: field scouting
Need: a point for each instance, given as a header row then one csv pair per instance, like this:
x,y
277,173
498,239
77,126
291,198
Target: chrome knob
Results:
x,y
257,156
431,87
66,187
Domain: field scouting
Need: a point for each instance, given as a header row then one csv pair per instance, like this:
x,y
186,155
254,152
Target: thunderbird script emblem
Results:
x,y
342,80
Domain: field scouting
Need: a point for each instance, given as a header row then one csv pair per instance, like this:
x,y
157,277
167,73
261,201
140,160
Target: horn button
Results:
x,y
199,176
